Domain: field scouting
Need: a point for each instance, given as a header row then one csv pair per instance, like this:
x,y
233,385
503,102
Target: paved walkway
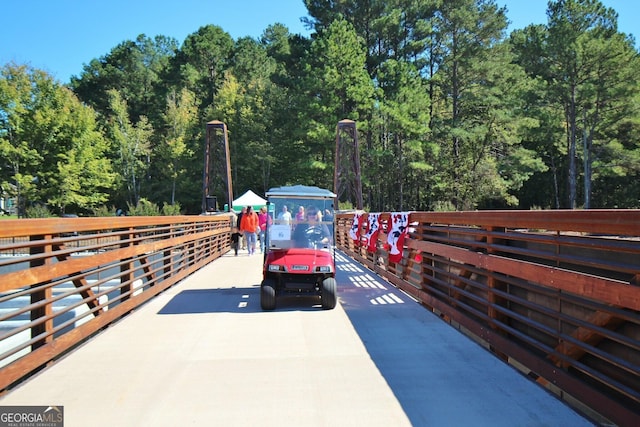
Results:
x,y
204,354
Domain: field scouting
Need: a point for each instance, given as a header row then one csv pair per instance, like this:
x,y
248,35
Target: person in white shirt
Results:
x,y
285,216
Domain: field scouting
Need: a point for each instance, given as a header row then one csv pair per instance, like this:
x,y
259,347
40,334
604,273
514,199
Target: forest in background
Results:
x,y
452,112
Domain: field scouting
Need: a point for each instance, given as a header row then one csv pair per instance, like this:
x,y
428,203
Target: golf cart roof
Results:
x,y
300,191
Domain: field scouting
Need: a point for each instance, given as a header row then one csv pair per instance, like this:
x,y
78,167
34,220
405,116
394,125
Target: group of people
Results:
x,y
308,228
284,217
249,226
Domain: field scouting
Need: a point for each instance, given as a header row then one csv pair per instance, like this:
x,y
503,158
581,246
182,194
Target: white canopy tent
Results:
x,y
248,199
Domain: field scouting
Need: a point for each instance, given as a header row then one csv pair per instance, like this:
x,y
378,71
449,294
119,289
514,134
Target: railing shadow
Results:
x,y
438,375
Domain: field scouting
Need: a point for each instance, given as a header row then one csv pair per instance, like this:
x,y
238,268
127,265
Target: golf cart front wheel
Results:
x,y
328,294
268,295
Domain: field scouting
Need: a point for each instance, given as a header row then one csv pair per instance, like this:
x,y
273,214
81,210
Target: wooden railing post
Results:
x,y
126,268
493,284
167,255
41,295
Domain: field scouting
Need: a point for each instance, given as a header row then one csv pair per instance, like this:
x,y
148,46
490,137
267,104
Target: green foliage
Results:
x,y
443,206
173,152
38,211
143,208
170,210
102,211
450,113
50,147
133,68
131,147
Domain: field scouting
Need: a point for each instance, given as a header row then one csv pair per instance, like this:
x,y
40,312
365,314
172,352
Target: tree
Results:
x,y
135,68
475,97
201,62
131,149
442,104
50,147
286,100
173,151
404,128
573,28
606,99
83,177
341,88
19,158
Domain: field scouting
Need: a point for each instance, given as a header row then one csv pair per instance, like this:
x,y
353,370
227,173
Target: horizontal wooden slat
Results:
x,y
44,273
589,286
619,222
55,226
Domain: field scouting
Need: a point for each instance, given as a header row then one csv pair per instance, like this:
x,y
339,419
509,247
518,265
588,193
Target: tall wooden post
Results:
x,y
347,180
217,164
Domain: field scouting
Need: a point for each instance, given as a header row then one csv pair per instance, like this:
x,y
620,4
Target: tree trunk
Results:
x,y
555,182
587,164
572,149
454,123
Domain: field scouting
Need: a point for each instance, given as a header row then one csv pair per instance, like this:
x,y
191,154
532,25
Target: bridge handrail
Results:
x,y
555,293
64,279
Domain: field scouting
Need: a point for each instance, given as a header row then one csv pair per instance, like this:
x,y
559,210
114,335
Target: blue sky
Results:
x,y
60,36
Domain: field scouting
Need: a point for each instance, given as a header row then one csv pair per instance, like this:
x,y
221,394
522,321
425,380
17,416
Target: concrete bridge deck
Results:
x,y
203,353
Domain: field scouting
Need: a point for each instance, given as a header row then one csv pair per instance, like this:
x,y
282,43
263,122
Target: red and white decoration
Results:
x,y
370,238
354,232
395,238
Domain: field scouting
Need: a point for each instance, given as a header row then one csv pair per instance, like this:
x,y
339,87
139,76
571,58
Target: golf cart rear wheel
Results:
x,y
268,295
328,295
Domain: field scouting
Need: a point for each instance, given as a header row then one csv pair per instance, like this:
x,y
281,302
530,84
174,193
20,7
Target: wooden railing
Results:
x,y
555,293
62,280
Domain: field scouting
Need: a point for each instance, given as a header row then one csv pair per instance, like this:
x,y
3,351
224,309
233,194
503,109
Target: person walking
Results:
x,y
235,239
263,218
249,226
238,224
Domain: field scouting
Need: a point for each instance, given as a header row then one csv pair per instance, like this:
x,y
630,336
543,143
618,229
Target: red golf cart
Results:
x,y
299,259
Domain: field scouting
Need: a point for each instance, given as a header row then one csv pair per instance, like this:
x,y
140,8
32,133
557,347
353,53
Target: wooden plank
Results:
x,y
588,336
56,226
619,222
18,279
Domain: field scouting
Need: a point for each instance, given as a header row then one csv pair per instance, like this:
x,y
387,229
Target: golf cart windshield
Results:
x,y
302,218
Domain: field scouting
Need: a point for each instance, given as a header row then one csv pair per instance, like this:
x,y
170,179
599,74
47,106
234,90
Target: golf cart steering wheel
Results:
x,y
314,234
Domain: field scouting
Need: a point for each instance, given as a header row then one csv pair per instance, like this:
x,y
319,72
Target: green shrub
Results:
x,y
143,208
37,211
443,206
171,210
346,206
104,211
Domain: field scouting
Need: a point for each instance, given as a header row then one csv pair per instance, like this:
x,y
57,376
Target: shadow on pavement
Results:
x,y
232,300
439,376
